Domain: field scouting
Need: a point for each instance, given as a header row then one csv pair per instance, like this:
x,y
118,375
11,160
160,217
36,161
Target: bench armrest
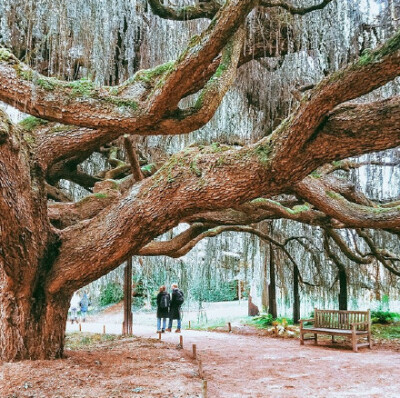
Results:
x,y
306,320
359,323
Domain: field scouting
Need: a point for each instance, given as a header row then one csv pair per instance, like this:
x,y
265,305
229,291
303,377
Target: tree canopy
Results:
x,y
50,248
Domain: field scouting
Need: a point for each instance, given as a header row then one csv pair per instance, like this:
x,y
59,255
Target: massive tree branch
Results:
x,y
349,213
293,9
204,9
377,252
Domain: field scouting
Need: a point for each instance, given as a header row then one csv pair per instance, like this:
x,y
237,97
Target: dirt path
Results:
x,y
249,366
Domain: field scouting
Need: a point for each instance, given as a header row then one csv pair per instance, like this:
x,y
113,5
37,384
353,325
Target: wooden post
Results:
x,y
229,327
104,329
159,335
127,325
80,327
239,290
204,389
181,341
201,374
194,349
189,324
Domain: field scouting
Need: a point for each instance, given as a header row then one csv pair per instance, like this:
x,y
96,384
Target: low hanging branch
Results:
x,y
133,159
377,253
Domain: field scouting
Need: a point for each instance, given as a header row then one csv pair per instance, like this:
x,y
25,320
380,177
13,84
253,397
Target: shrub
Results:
x,y
263,320
111,293
384,317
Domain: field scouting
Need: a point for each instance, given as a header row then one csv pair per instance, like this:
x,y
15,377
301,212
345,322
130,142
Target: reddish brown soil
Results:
x,y
242,364
124,368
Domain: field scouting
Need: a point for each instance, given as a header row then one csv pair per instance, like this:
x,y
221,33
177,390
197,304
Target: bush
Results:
x,y
384,317
263,320
111,293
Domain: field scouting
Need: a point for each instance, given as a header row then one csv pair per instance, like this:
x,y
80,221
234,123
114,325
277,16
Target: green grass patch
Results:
x,y
32,122
81,341
387,332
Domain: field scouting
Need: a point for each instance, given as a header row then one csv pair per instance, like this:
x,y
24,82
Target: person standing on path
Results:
x,y
163,300
74,307
84,304
177,300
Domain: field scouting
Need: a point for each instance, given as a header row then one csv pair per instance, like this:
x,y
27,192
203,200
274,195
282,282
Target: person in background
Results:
x,y
163,300
74,307
177,300
84,304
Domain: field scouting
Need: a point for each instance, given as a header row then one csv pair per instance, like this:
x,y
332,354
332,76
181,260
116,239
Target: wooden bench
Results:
x,y
353,324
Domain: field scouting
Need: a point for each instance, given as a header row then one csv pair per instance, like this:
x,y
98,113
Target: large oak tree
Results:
x,y
48,250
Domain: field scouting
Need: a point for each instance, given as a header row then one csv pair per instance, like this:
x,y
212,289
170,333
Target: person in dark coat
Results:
x,y
175,308
163,301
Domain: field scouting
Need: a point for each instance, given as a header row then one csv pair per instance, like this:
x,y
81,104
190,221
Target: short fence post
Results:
x,y
204,389
80,327
104,329
159,335
181,341
194,349
201,374
229,327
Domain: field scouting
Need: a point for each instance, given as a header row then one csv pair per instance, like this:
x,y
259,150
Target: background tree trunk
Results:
x,y
342,289
296,296
272,284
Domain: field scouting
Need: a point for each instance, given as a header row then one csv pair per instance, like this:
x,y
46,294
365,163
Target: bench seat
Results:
x,y
353,324
338,332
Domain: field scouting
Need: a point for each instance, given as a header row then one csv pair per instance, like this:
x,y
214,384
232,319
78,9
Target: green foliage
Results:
x,y
122,103
263,153
100,195
195,168
47,83
262,321
148,169
384,317
150,74
5,55
23,73
111,293
369,56
81,88
31,122
214,291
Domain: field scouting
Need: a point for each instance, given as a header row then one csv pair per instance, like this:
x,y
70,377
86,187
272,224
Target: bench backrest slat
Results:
x,y
337,319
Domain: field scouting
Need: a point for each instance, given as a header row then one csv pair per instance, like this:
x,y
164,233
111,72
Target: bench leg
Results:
x,y
315,338
301,338
354,341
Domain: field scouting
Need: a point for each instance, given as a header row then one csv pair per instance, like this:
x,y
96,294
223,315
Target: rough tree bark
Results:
x,y
41,266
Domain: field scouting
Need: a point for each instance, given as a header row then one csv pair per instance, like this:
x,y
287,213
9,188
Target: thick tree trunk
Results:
x,y
31,329
32,323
